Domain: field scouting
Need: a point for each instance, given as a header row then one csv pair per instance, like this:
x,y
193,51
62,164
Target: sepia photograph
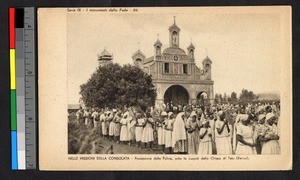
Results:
x,y
174,84
173,88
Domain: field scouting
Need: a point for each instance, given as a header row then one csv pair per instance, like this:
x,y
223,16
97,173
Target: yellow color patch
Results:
x,y
12,68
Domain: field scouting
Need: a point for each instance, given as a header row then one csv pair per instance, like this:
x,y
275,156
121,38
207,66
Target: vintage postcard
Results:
x,y
165,88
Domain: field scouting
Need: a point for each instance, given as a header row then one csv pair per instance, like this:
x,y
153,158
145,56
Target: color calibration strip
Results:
x,y
13,101
22,80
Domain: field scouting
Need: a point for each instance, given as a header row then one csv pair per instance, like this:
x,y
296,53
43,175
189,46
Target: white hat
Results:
x,y
261,116
114,110
170,114
164,113
126,114
243,117
220,113
193,114
204,122
138,114
269,116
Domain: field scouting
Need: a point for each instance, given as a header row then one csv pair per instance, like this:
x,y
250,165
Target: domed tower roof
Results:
x,y
105,58
174,27
191,46
158,43
139,52
174,50
207,59
105,55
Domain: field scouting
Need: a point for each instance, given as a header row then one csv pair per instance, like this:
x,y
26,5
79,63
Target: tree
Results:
x,y
217,98
220,99
225,99
113,85
247,96
233,98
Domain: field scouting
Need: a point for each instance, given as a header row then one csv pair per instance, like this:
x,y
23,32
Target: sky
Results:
x,y
244,47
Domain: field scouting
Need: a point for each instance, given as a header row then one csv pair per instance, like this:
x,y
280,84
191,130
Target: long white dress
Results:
x,y
139,129
161,133
117,129
111,125
124,134
205,145
168,132
192,136
179,136
95,119
147,135
247,133
272,146
131,128
103,122
223,140
87,117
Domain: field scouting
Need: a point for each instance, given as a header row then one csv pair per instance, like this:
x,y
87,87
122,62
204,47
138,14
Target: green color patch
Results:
x,y
13,110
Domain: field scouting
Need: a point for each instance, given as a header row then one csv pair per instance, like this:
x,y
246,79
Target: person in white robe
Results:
x,y
160,125
168,131
131,127
271,144
117,128
223,140
95,116
111,124
147,136
179,134
87,116
244,135
103,121
139,127
192,128
124,133
205,139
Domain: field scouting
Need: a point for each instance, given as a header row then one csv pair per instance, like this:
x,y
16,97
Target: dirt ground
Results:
x,y
88,140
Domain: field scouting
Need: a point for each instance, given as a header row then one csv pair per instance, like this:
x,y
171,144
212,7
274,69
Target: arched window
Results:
x,y
202,98
174,38
192,53
157,50
138,62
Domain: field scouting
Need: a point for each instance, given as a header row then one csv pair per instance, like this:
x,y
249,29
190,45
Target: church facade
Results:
x,y
175,75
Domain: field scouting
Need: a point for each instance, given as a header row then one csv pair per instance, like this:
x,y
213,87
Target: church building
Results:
x,y
177,79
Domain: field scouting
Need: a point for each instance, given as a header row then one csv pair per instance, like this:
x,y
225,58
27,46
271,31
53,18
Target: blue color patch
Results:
x,y
14,151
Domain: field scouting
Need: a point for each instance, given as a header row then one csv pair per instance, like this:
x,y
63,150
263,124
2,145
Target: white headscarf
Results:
x,y
164,113
193,113
178,129
239,118
269,116
170,114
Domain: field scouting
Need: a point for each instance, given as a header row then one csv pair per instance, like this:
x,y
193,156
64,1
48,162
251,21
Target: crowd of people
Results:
x,y
219,129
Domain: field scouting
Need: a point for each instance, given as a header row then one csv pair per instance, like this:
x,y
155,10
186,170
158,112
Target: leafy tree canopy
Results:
x,y
113,85
247,96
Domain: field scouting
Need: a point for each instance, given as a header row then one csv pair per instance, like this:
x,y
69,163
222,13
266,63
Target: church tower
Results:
x,y
191,50
105,58
157,49
138,58
206,64
174,35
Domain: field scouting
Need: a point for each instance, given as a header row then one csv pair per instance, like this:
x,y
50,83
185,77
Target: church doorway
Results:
x,y
176,95
202,99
